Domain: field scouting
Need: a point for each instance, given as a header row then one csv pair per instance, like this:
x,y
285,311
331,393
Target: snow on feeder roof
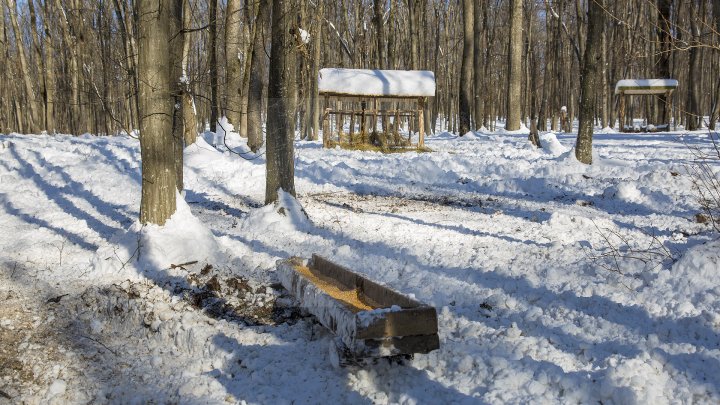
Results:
x,y
376,83
645,86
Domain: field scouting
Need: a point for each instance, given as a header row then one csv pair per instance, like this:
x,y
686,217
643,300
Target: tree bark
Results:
x,y
662,62
257,70
189,114
514,88
379,8
233,68
280,168
40,102
50,80
478,62
178,87
158,201
589,81
693,115
317,44
212,64
466,68
71,42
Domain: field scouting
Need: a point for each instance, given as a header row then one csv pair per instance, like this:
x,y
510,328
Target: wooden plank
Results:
x,y
407,322
402,345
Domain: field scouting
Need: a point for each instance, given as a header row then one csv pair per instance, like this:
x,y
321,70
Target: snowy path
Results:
x,y
506,241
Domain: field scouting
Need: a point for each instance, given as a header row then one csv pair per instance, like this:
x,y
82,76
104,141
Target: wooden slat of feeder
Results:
x,y
382,295
408,322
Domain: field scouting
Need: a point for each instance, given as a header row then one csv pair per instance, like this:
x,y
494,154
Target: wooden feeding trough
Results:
x,y
369,320
372,107
653,87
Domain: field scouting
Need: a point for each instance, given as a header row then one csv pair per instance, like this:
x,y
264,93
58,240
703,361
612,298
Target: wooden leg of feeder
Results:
x,y
352,126
374,116
363,126
339,125
326,128
621,111
421,123
668,108
398,125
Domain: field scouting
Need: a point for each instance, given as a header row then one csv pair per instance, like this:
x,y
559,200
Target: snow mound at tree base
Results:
x,y
151,248
284,215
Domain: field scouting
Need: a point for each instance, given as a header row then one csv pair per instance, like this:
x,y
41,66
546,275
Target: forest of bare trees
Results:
x,y
70,66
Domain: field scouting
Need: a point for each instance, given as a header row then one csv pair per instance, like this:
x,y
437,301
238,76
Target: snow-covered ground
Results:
x,y
554,282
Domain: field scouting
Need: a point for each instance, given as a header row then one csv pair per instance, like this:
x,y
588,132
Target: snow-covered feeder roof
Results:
x,y
645,86
376,83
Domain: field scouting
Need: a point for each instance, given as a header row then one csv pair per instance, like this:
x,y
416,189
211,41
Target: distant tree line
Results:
x,y
70,66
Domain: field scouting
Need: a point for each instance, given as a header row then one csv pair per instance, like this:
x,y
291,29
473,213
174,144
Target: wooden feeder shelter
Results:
x,y
632,87
371,107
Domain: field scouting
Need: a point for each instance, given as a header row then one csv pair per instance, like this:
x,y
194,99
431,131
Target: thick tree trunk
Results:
x,y
514,88
466,68
233,68
156,112
280,168
257,69
589,81
178,87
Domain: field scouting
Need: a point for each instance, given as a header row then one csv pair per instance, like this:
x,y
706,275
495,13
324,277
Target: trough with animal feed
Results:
x,y
369,320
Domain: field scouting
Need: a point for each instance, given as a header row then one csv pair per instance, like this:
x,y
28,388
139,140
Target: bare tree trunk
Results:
x,y
233,68
280,166
662,63
40,102
49,69
257,70
178,87
24,68
514,88
70,42
605,89
477,62
379,9
392,36
589,81
693,115
317,44
212,10
156,112
466,68
189,114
